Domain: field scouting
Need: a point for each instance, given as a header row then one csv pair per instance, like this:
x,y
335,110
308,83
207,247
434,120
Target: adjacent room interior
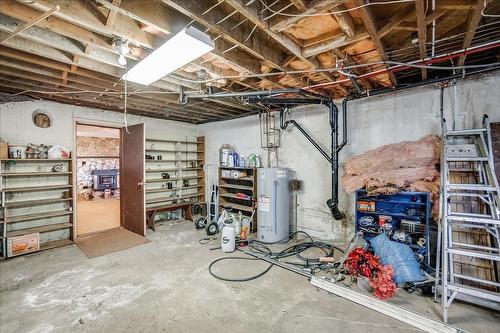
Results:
x,y
98,178
250,166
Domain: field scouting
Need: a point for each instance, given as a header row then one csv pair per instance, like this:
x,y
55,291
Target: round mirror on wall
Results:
x,y
42,119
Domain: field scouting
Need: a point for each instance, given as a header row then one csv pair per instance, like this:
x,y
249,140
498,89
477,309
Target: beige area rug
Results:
x,y
106,242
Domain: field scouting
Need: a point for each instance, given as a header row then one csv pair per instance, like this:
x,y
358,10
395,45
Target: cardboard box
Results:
x,y
366,206
23,244
4,150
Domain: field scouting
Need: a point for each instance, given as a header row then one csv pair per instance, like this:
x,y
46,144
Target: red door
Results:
x,y
133,215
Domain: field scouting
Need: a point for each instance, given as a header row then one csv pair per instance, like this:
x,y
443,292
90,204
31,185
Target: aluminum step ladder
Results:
x,y
469,208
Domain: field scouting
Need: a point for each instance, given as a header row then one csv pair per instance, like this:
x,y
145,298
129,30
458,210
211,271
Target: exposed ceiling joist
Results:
x,y
422,32
299,4
110,20
473,20
252,14
316,6
345,22
399,17
371,28
64,28
339,41
83,14
249,41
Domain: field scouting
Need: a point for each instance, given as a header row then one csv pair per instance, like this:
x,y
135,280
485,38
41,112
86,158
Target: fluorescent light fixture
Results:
x,y
181,49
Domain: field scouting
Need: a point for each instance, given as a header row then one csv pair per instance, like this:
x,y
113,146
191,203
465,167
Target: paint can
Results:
x,y
17,152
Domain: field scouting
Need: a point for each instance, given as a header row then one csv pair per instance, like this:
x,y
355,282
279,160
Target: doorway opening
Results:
x,y
98,178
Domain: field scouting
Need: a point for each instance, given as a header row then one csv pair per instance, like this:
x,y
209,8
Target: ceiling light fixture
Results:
x,y
121,46
186,46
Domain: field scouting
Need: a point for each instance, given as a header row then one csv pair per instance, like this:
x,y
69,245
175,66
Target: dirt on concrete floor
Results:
x,y
164,286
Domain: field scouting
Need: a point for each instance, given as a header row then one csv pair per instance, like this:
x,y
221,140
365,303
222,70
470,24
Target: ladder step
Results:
x,y
474,254
474,246
472,219
472,187
476,292
473,131
476,279
467,159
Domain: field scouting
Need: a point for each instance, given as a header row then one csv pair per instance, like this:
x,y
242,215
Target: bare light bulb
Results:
x,y
121,60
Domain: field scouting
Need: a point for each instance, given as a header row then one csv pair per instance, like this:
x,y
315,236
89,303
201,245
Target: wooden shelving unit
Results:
x,y
35,199
246,184
183,160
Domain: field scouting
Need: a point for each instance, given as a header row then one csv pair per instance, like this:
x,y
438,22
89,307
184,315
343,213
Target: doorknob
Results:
x,y
140,183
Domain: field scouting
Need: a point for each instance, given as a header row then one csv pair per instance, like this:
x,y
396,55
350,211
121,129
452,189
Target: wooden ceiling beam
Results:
x,y
456,4
471,24
149,13
87,15
123,29
435,15
158,99
399,17
252,13
26,14
315,7
299,4
371,28
38,50
339,41
103,102
60,27
240,36
83,76
7,87
110,20
422,33
135,100
345,22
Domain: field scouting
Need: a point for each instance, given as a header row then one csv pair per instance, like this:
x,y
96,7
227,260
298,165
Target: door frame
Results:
x,y
98,123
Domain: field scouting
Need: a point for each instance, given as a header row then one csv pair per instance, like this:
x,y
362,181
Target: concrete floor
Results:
x,y
164,286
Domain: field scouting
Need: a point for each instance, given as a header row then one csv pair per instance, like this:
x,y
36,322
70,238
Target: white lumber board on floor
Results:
x,y
409,317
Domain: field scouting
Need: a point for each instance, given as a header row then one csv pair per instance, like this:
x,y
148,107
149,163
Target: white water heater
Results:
x,y
273,204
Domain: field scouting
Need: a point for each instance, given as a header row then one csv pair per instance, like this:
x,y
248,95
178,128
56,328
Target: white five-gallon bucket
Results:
x,y
227,240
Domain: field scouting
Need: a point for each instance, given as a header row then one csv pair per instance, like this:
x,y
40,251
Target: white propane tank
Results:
x,y
227,239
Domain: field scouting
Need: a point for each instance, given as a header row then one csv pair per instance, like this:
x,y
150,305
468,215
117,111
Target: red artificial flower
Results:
x,y
360,262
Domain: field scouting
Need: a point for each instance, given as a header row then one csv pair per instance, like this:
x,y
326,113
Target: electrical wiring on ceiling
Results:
x,y
235,77
484,8
125,100
335,69
335,12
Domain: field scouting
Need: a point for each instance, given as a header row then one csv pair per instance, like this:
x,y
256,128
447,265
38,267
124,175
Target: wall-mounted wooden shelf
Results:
x,y
41,230
36,160
35,174
175,156
36,188
33,204
36,216
38,202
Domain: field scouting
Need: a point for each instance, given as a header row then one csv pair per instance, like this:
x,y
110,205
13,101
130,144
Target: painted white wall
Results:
x,y
16,125
372,122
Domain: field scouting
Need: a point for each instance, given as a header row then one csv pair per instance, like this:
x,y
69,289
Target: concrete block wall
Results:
x,y
372,122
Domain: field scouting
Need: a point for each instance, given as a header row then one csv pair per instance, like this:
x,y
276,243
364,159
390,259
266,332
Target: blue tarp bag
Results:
x,y
400,257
